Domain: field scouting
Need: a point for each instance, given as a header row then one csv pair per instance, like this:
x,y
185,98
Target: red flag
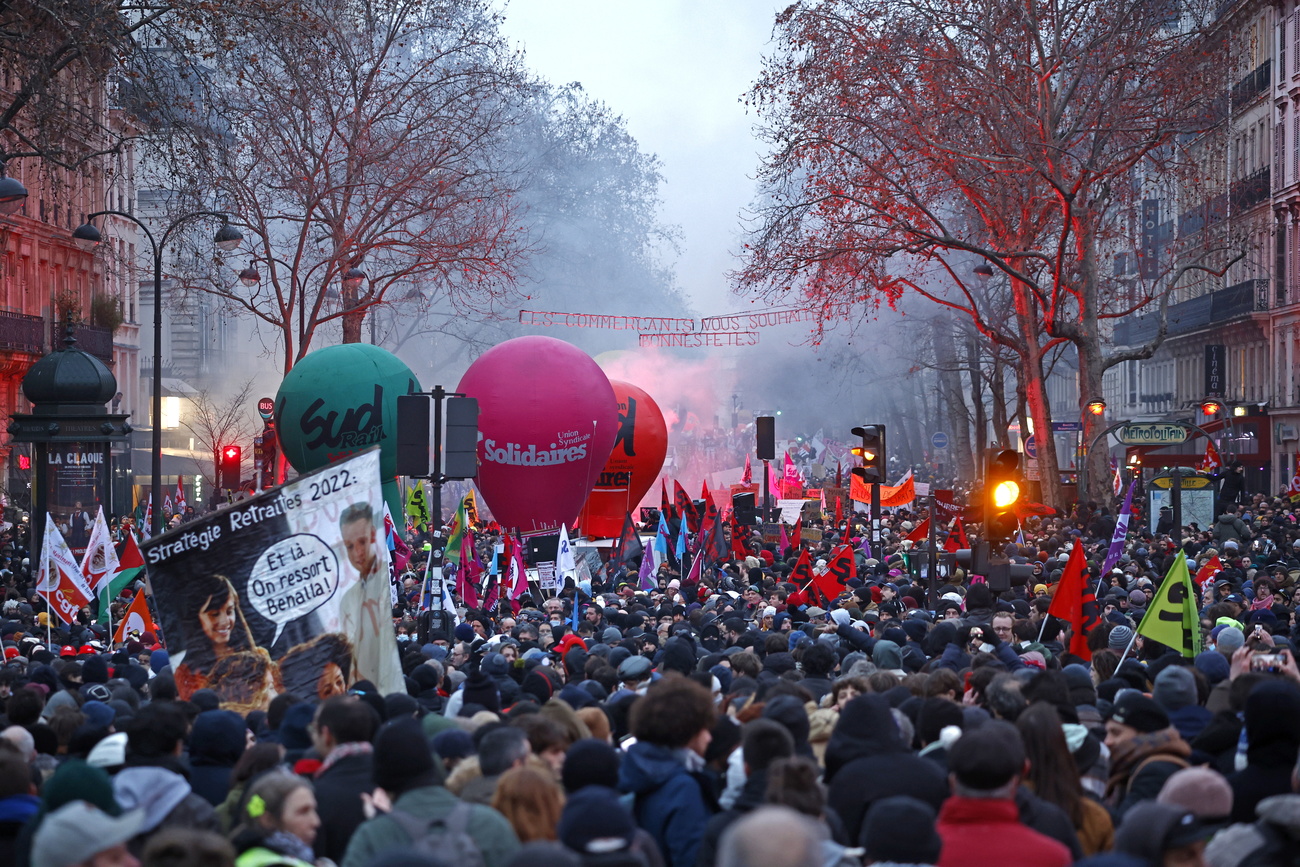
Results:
x,y
685,511
956,537
839,510
704,493
839,475
1211,461
1212,567
802,572
839,571
1075,604
664,505
137,618
747,478
738,537
920,532
796,532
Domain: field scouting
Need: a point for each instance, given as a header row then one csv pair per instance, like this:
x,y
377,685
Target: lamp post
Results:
x,y
12,193
227,238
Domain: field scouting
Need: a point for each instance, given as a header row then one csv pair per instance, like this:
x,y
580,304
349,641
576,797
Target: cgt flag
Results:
x,y
59,580
1076,604
1172,619
137,620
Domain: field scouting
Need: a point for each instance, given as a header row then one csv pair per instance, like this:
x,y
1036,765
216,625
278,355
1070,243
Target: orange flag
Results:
x,y
137,619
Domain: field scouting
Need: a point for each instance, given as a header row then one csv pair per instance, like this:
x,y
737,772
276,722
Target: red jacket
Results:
x,y
978,832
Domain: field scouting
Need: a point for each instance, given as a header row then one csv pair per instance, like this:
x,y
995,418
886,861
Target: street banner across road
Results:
x,y
286,591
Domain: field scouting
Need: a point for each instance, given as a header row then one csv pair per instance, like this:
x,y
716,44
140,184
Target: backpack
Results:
x,y
446,839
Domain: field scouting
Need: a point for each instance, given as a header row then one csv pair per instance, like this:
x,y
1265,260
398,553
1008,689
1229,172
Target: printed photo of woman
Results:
x,y
214,628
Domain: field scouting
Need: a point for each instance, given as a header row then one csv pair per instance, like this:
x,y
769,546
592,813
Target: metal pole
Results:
x,y
1176,501
877,550
767,499
155,467
932,580
435,477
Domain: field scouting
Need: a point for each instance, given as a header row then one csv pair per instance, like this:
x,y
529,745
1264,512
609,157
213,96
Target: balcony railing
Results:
x,y
20,333
1252,190
90,338
1212,308
1252,84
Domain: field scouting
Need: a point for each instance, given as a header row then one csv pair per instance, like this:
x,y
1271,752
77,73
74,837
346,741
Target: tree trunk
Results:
x,y
1090,386
352,323
1031,373
945,354
977,394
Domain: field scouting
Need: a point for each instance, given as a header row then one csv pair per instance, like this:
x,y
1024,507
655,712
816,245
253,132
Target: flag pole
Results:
x,y
1043,628
1131,642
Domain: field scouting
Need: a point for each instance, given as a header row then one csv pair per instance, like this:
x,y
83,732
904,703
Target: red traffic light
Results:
x,y
231,452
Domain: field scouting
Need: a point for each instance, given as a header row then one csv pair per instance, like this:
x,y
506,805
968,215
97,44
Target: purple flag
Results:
x,y
1121,531
646,575
865,547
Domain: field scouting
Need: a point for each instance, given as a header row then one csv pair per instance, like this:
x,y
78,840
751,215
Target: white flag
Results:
x,y
564,561
100,560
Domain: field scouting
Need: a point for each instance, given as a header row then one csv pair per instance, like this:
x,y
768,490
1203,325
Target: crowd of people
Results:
x,y
733,718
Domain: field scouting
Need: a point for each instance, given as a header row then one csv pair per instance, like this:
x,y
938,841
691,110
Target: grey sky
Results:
x,y
675,70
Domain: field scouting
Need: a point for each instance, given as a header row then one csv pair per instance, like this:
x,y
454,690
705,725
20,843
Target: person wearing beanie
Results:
x,y
1162,834
1145,750
900,830
1202,791
405,769
1119,639
1175,691
479,692
599,829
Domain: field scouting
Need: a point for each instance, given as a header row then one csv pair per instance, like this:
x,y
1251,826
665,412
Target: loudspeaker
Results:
x,y
765,425
743,505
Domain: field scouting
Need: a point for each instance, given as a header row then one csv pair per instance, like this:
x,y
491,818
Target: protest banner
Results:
x,y
285,591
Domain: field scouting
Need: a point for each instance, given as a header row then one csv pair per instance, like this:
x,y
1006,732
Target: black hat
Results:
x,y
902,829
594,822
402,757
1136,711
590,762
482,690
988,757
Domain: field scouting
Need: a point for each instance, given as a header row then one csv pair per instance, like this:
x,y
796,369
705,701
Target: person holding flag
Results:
x,y
1172,617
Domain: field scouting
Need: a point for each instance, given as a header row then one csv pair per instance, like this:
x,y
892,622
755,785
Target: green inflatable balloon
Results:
x,y
339,400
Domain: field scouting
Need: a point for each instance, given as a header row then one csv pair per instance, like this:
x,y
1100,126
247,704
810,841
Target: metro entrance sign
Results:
x,y
1153,434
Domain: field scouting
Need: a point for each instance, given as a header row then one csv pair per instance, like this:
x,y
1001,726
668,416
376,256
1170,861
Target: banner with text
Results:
x,y
285,591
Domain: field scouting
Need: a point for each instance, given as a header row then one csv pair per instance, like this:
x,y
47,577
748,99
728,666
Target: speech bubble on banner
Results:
x,y
293,578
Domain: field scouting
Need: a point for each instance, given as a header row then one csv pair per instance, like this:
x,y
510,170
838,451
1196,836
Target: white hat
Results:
x,y
109,752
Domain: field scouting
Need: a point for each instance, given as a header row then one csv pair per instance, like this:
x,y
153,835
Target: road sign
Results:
x,y
1066,426
1152,434
1031,469
266,408
939,440
1031,447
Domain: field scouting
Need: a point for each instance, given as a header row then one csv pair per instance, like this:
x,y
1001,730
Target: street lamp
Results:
x,y
1096,406
249,276
12,193
227,238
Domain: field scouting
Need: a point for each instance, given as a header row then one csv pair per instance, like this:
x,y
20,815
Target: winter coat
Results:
x,y
495,838
866,761
217,741
670,803
750,798
1229,526
1140,766
15,811
977,832
338,802
1190,720
1243,844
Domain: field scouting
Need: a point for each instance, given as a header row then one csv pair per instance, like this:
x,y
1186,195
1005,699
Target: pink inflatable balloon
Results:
x,y
547,422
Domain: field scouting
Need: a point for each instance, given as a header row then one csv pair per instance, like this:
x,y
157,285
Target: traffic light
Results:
x,y
871,452
231,458
1002,489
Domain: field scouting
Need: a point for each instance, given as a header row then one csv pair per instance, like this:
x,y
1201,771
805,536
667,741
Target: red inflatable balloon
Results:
x,y
547,421
633,465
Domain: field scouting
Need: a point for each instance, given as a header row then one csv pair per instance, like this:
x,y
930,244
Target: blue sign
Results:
x,y
1031,447
939,440
1061,426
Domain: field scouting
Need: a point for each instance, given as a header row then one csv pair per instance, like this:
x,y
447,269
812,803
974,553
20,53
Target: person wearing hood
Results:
x,y
672,723
154,778
763,741
1175,691
1145,751
217,740
866,760
1272,744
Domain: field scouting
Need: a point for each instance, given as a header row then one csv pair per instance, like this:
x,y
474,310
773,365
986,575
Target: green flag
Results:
x,y
1172,618
456,534
130,565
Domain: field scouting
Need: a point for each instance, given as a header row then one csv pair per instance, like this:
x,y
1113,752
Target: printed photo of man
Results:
x,y
365,611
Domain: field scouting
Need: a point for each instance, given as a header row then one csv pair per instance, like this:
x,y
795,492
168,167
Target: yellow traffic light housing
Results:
x,y
1002,491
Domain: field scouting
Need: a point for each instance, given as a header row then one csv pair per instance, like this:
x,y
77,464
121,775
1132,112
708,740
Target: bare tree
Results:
x,y
915,135
364,157
216,422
